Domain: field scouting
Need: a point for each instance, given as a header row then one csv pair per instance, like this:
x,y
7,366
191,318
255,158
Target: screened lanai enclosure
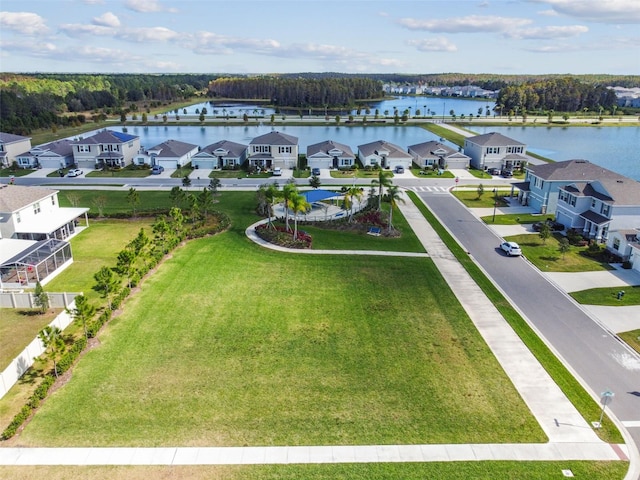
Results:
x,y
35,264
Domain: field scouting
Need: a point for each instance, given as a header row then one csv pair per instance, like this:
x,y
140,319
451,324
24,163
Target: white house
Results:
x,y
34,230
385,154
494,150
105,149
58,154
330,154
220,155
169,154
11,146
434,154
274,149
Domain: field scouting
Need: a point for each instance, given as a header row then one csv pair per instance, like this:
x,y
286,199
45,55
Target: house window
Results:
x,y
593,203
616,243
18,219
492,150
53,200
36,208
605,209
84,148
284,149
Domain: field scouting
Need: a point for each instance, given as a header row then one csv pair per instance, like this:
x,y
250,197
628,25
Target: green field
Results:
x,y
231,344
18,327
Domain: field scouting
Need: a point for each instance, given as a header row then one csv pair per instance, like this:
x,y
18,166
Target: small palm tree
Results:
x,y
271,195
354,193
394,195
288,191
383,181
51,338
298,203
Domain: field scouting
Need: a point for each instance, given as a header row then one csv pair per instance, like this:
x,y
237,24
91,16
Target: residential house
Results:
x,y
385,154
330,154
436,155
58,154
626,244
274,149
494,150
34,233
11,146
105,149
220,155
169,154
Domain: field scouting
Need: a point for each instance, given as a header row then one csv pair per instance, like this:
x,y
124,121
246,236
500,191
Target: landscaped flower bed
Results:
x,y
278,235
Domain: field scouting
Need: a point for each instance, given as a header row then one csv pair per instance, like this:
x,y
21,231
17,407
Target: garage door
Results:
x,y
166,163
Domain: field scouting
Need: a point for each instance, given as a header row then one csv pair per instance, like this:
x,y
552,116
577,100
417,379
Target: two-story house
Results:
x,y
330,154
34,230
105,149
169,154
274,149
221,155
58,154
434,154
11,146
384,154
494,150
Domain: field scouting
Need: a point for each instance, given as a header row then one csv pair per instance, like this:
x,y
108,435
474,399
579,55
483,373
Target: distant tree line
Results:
x,y
559,94
299,92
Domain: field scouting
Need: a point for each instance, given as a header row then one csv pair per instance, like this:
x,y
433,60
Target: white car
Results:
x,y
74,172
512,249
277,172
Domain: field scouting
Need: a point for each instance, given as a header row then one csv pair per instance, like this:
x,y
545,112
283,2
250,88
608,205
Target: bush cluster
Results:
x,y
278,235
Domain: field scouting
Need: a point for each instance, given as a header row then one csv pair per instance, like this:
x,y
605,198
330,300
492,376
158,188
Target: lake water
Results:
x,y
433,106
615,148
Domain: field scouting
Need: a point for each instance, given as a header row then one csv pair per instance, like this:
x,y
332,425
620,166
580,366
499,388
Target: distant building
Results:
x,y
58,154
11,146
494,150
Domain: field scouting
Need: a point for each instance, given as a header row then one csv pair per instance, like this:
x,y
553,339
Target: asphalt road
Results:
x,y
596,356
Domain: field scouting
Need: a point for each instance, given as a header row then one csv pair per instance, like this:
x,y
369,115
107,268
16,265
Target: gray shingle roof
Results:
x,y
16,197
493,139
328,145
275,138
174,148
427,148
10,138
373,147
106,137
234,149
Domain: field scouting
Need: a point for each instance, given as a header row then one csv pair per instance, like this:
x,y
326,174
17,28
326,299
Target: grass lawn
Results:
x,y
354,471
608,296
359,173
486,200
94,248
421,173
116,200
20,172
18,327
515,219
127,172
480,174
182,171
232,344
547,257
227,174
632,338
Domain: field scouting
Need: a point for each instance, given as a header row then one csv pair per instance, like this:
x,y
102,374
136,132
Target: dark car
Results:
x,y
493,171
553,226
507,173
315,171
157,170
399,169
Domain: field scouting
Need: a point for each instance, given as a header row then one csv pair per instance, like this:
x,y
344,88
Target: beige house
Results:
x,y
274,149
11,146
105,149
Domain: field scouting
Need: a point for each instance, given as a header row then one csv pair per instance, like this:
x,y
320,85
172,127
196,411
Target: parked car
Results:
x,y
74,172
277,172
399,169
512,249
157,169
315,171
507,173
493,171
554,226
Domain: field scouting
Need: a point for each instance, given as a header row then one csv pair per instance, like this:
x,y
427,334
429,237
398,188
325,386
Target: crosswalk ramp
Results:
x,y
429,189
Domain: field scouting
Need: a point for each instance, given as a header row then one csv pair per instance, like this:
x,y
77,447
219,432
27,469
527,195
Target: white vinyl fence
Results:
x,y
27,300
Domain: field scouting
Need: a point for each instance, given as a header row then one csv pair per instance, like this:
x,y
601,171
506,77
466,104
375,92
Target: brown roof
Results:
x,y
16,197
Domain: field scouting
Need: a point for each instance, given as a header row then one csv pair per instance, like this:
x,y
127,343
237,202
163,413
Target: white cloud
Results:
x,y
542,33
23,22
93,2
209,43
600,11
147,6
153,34
469,24
78,29
107,20
439,44
548,13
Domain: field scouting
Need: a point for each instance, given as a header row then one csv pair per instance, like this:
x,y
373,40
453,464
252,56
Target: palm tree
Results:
x,y
298,203
394,196
51,338
288,191
382,182
271,194
354,193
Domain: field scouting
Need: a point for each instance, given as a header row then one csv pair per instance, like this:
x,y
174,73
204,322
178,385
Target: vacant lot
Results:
x,y
229,344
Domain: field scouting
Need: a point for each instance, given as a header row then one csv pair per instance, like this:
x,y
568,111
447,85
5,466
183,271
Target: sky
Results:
x,y
349,36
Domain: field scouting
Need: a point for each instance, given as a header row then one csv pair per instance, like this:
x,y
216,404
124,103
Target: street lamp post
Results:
x,y
495,204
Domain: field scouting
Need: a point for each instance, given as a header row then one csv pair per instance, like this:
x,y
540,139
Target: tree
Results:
x,y
106,283
564,246
214,184
99,202
480,191
83,312
545,232
314,181
394,196
139,243
298,203
160,229
186,181
205,200
288,191
51,338
383,181
41,298
271,194
73,198
177,196
201,118
133,199
352,194
124,265
176,223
